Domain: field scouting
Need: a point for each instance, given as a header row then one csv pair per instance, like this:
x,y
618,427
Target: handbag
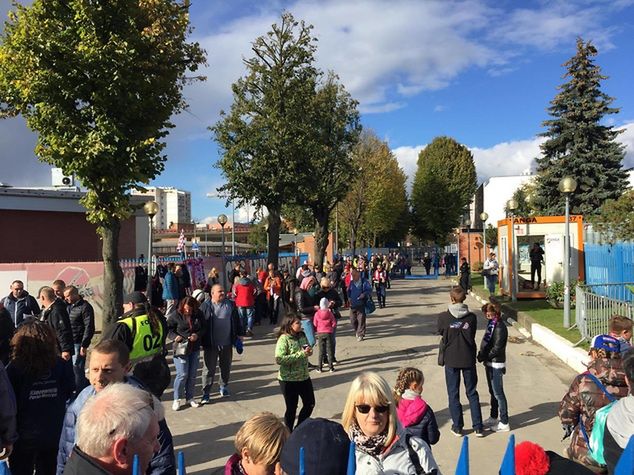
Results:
x,y
181,348
441,353
370,307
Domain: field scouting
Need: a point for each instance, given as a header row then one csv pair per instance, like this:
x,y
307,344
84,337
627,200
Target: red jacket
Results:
x,y
244,294
324,321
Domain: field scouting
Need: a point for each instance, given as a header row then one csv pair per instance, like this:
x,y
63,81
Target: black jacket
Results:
x,y
6,333
82,322
304,303
426,429
333,296
494,351
458,328
207,310
81,464
57,317
177,325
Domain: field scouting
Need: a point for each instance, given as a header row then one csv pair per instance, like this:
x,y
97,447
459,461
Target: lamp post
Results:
x,y
567,185
222,220
295,249
233,220
467,223
266,228
150,208
484,216
512,206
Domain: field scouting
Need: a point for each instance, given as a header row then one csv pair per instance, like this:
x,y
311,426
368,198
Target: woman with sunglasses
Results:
x,y
382,445
291,353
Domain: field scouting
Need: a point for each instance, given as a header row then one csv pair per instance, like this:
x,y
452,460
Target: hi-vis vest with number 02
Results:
x,y
144,344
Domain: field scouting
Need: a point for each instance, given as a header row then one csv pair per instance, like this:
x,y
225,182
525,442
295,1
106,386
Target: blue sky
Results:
x,y
482,72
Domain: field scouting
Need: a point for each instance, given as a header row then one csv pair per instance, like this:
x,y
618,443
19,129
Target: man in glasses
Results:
x,y
109,364
104,441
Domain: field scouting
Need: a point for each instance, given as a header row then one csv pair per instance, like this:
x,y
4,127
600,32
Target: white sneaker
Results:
x,y
193,403
500,427
490,422
176,405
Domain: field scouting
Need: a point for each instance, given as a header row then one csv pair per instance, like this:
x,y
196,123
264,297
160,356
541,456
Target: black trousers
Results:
x,y
26,458
292,391
536,267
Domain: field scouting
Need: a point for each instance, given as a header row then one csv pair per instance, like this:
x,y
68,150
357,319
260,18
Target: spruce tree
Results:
x,y
579,143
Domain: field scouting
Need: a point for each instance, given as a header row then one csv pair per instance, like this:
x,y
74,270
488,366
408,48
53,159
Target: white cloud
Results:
x,y
407,158
627,138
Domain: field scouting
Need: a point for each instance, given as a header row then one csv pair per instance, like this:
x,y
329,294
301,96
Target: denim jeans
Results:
x,y
452,378
79,369
246,317
496,390
186,368
491,281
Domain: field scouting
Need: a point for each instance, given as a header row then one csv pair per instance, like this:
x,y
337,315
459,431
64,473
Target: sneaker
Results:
x,y
501,427
479,433
318,370
457,432
193,403
250,333
176,405
205,400
359,338
224,392
335,362
332,369
490,422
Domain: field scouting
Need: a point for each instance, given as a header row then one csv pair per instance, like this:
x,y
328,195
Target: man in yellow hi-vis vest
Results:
x,y
142,329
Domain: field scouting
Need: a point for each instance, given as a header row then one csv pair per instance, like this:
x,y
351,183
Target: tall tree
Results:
x,y
615,220
579,142
443,187
98,82
330,165
375,208
263,137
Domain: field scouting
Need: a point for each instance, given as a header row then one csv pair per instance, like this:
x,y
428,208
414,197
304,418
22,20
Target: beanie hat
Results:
x,y
326,446
323,303
135,297
199,295
531,459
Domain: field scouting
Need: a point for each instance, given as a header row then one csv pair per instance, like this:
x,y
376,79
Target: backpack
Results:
x,y
595,441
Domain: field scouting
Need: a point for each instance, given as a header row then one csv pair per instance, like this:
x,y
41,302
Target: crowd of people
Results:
x,y
56,417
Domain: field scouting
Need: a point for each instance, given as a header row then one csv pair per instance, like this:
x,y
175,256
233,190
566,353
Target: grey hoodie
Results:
x,y
620,421
458,310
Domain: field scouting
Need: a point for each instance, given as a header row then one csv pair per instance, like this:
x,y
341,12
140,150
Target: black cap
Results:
x,y
326,446
135,297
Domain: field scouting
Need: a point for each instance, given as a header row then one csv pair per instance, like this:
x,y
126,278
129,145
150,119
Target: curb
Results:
x,y
575,358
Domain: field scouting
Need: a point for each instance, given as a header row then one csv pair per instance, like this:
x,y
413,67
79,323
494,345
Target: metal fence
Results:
x,y
596,304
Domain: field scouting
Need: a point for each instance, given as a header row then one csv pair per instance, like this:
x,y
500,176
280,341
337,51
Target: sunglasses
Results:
x,y
365,408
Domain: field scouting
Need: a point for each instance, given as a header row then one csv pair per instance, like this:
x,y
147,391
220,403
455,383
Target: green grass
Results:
x,y
539,310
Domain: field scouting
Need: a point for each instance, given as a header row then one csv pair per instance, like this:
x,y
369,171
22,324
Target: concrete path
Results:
x,y
400,335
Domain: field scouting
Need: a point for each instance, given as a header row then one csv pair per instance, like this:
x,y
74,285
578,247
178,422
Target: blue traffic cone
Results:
x,y
352,460
462,468
508,462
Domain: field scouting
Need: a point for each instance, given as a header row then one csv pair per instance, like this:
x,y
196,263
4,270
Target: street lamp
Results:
x,y
512,206
467,223
567,185
266,229
222,220
484,216
233,220
295,263
150,208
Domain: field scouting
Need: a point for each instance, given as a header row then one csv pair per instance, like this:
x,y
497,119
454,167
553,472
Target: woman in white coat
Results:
x,y
490,271
381,445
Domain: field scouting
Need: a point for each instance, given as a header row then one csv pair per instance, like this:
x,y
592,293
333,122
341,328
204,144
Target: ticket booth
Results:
x,y
517,236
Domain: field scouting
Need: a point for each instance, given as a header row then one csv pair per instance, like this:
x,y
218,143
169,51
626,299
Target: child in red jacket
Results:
x,y
413,412
324,321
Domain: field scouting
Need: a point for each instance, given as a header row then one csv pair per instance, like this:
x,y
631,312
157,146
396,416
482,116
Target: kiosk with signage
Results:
x,y
523,240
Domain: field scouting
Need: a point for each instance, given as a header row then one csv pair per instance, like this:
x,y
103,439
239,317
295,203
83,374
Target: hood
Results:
x,y
458,310
608,371
25,294
621,420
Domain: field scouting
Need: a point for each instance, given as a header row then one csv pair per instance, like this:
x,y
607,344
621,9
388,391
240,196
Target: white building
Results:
x,y
496,191
175,206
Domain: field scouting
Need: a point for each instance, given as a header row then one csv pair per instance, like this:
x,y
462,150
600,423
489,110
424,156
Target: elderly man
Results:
x,y
109,363
19,303
223,329
359,291
113,427
82,324
56,315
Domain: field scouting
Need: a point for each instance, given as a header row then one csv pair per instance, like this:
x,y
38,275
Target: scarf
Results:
x,y
489,331
371,445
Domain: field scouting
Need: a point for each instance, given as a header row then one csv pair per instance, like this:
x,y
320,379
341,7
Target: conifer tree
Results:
x,y
579,142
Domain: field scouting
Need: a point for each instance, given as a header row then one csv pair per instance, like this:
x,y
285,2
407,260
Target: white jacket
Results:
x,y
397,460
492,266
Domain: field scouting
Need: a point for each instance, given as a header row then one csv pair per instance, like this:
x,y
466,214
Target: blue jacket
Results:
x,y
170,287
354,292
163,463
25,305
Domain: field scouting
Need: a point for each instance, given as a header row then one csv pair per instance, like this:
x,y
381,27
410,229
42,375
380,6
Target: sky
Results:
x,y
482,72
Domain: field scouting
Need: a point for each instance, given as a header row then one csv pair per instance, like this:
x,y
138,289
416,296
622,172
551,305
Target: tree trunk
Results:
x,y
275,221
112,273
321,238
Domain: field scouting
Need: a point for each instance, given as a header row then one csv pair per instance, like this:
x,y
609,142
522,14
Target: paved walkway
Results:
x,y
399,335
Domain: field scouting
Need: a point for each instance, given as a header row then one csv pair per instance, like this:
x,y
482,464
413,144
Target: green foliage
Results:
x,y
444,184
257,237
491,235
555,291
375,208
579,143
524,196
298,217
615,220
99,85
